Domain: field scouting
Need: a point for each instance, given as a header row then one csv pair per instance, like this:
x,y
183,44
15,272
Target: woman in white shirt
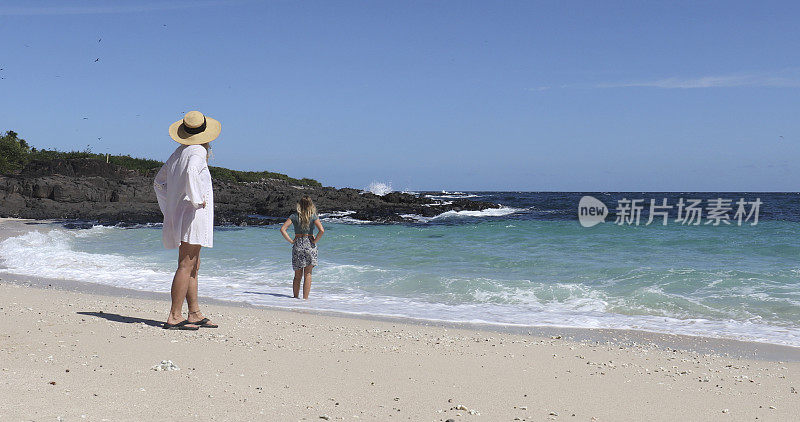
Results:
x,y
185,196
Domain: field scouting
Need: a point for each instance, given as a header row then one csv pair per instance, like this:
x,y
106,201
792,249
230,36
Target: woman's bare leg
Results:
x,y
298,275
307,281
188,255
191,292
191,295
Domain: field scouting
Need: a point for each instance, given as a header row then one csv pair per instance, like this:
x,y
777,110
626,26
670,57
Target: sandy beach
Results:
x,y
68,355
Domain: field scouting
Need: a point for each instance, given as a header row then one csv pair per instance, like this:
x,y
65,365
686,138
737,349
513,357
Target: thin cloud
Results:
x,y
726,81
107,9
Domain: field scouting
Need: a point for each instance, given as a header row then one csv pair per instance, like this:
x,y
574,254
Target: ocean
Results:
x,y
527,263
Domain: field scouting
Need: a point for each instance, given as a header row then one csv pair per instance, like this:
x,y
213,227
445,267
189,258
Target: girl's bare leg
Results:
x,y
307,281
298,275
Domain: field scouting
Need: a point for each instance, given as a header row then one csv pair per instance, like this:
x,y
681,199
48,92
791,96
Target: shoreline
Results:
x,y
616,336
10,227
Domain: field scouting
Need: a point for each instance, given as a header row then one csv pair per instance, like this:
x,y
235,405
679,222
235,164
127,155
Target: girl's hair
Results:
x,y
305,209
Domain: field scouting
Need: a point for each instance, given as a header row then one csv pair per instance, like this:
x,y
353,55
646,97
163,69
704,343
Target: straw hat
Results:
x,y
195,129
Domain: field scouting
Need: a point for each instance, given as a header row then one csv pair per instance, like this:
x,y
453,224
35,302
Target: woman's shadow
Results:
x,y
124,319
151,322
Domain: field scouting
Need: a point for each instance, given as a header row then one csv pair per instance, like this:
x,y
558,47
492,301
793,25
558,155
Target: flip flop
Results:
x,y
180,326
204,323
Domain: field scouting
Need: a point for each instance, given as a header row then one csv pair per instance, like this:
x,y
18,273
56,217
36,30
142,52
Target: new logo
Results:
x,y
591,211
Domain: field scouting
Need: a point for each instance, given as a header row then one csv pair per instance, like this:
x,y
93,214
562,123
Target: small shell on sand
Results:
x,y
166,365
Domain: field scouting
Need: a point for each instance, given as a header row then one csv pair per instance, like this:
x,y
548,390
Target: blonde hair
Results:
x,y
305,209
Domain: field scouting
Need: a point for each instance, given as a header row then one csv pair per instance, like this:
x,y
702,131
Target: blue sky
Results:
x,y
431,95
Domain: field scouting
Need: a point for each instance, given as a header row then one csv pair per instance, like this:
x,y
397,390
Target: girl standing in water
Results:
x,y
304,244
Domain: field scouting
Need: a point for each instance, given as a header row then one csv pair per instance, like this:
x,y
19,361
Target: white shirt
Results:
x,y
182,185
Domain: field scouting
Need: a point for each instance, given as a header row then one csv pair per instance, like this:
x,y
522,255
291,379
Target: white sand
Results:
x,y
59,357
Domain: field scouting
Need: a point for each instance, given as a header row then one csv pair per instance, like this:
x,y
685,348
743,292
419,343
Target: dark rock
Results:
x,y
92,190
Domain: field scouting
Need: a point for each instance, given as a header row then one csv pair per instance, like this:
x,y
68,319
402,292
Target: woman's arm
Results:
x,y
160,186
196,186
285,226
320,230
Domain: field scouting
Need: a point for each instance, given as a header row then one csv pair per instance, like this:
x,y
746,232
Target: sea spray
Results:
x,y
379,188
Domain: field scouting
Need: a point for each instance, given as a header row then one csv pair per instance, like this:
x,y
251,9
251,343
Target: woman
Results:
x,y
304,244
185,196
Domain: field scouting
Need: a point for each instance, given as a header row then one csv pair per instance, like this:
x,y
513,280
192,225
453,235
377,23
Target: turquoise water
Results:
x,y
726,281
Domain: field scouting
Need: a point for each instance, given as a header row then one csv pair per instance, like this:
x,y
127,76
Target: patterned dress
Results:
x,y
304,251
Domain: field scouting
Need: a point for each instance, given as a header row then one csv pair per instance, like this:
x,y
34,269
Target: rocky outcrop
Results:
x,y
92,190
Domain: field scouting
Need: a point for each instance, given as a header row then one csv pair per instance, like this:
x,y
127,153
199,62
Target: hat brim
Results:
x,y
178,133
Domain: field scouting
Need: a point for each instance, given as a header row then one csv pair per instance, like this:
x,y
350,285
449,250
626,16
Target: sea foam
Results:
x,y
489,212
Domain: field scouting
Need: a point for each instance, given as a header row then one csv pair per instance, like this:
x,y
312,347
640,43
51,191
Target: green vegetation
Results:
x,y
221,173
142,165
15,153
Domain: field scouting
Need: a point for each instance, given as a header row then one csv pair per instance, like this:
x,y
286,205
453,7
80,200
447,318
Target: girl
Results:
x,y
304,244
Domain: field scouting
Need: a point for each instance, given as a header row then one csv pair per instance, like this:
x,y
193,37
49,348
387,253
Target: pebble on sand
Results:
x,y
165,365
